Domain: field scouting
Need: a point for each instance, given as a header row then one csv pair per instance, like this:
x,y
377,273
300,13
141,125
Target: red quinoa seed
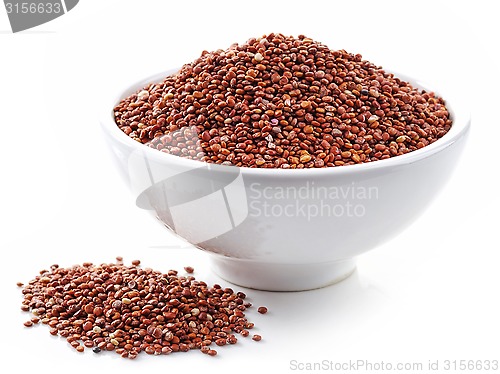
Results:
x,y
262,310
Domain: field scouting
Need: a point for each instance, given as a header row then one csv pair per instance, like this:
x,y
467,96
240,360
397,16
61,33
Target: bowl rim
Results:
x,y
458,108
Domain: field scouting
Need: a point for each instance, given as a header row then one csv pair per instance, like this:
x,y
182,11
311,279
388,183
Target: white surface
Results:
x,y
430,294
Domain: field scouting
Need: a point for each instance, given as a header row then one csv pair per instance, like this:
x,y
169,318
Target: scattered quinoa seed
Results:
x,y
262,310
129,310
257,338
204,349
189,269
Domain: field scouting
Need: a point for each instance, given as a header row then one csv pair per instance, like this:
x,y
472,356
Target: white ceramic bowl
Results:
x,y
286,230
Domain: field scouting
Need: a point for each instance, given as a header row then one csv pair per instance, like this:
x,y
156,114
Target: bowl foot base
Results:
x,y
281,277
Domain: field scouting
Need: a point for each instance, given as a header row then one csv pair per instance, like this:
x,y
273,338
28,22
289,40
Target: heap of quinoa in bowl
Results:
x,y
375,148
283,102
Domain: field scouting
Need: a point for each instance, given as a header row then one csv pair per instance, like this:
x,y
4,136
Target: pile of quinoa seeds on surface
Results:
x,y
283,102
130,309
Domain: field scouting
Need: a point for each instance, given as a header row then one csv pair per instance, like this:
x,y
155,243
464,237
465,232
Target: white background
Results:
x,y
430,294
